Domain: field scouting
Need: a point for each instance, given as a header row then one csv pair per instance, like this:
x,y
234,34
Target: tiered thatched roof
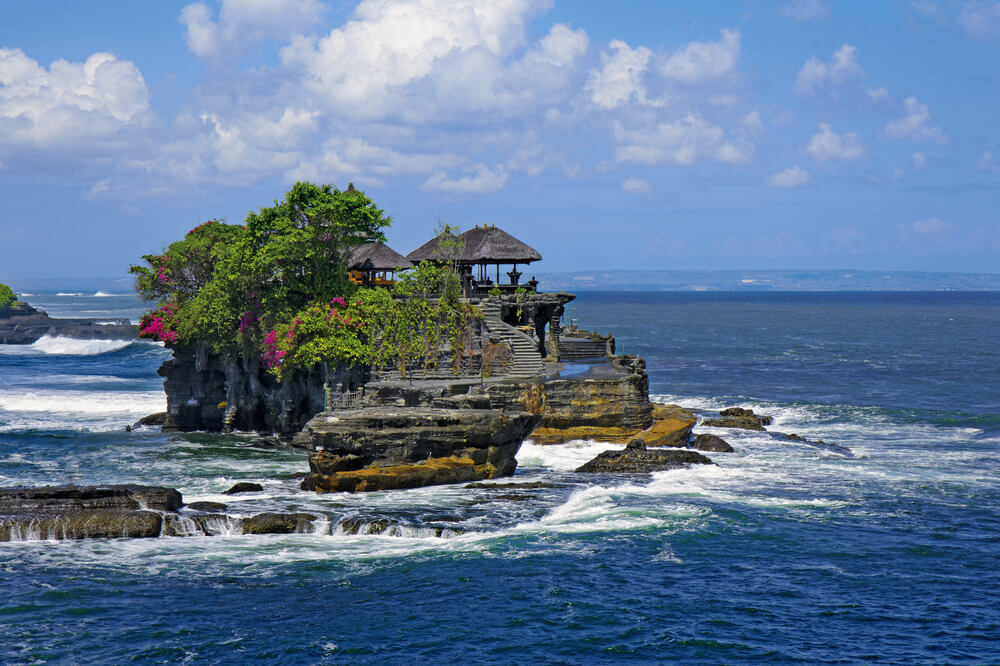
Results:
x,y
376,257
480,245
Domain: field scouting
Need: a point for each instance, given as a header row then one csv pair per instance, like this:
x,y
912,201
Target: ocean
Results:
x,y
882,545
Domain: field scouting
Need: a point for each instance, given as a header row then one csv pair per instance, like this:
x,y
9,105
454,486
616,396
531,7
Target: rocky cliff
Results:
x,y
207,391
612,406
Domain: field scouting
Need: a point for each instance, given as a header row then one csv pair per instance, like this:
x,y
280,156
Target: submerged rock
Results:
x,y
738,417
154,419
383,448
382,526
84,512
639,461
711,443
278,523
207,507
244,487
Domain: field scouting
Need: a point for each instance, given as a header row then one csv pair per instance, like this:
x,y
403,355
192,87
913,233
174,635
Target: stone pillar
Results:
x,y
552,340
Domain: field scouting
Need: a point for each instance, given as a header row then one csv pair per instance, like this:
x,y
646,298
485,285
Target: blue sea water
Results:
x,y
782,552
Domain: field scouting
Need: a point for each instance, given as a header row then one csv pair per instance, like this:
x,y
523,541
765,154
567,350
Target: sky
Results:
x,y
641,134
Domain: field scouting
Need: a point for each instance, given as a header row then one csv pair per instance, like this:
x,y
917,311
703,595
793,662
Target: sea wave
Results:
x,y
59,344
104,294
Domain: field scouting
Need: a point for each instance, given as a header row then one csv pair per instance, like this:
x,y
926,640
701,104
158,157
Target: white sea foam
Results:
x,y
561,456
105,294
48,344
75,409
69,293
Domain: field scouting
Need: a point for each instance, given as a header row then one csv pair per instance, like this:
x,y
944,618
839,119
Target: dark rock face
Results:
x,y
207,507
711,443
154,419
78,498
278,523
380,448
201,386
737,417
79,512
244,487
640,461
615,408
108,512
24,325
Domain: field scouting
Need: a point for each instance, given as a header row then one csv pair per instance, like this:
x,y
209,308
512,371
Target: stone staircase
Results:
x,y
525,360
571,348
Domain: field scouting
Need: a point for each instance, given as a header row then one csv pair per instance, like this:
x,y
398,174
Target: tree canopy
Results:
x,y
7,298
278,286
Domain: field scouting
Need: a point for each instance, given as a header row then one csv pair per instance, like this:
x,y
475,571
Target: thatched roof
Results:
x,y
376,257
432,249
480,245
489,245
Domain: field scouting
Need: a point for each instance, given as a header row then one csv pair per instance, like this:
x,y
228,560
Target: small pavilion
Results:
x,y
375,264
475,251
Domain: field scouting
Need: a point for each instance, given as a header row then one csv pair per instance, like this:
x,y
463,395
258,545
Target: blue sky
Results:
x,y
640,134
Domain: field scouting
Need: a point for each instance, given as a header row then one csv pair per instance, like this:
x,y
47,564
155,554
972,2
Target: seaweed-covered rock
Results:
x,y
672,426
640,461
382,448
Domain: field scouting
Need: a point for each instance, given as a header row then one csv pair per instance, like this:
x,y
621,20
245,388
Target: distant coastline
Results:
x,y
668,280
766,280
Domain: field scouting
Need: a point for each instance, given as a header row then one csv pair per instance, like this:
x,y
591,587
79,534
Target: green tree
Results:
x,y
7,298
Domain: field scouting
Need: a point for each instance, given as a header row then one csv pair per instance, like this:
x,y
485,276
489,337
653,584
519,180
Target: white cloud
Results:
x,y
827,145
422,59
807,10
987,163
482,180
620,76
793,177
636,186
919,161
67,101
879,94
242,22
922,230
704,61
915,124
681,142
259,142
753,122
980,18
815,74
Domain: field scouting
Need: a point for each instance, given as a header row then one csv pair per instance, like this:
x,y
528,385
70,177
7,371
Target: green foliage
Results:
x,y
405,328
228,283
7,298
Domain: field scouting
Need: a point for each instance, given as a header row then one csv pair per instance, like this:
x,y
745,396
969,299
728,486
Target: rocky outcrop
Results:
x,y
244,487
711,443
23,325
117,511
671,426
382,448
737,417
637,459
207,391
612,407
